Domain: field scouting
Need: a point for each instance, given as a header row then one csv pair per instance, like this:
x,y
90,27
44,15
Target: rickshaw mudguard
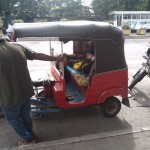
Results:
x,y
114,92
126,102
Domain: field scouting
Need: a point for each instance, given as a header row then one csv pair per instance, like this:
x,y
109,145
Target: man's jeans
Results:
x,y
19,117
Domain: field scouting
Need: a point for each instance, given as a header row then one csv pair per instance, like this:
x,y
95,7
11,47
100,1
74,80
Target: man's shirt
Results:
x,y
15,81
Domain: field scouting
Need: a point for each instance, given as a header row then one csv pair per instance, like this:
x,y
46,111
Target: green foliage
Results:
x,y
102,7
64,19
67,8
126,27
17,21
108,21
29,9
133,5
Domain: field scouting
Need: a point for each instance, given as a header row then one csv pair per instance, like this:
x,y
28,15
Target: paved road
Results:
x,y
88,120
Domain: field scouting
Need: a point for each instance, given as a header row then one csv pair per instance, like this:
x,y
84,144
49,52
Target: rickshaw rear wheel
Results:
x,y
111,107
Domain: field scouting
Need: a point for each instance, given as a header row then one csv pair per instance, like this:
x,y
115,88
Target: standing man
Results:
x,y
16,87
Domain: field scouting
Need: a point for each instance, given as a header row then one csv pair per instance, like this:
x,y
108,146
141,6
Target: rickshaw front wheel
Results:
x,y
111,107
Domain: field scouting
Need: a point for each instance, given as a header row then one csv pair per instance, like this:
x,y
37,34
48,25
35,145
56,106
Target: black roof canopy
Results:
x,y
68,30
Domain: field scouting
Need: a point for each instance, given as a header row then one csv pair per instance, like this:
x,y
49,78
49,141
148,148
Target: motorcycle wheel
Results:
x,y
137,78
137,72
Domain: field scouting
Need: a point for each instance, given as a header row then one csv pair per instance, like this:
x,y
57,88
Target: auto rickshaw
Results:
x,y
108,85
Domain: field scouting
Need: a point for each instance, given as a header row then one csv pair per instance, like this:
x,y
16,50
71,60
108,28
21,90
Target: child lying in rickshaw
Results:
x,y
86,65
80,62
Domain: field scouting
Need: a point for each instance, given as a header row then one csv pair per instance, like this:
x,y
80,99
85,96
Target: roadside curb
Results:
x,y
86,138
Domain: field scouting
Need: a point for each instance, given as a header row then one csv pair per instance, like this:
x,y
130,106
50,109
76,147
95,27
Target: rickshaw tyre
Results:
x,y
111,107
138,77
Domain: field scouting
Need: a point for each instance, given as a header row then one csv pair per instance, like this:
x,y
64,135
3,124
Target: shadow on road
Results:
x,y
75,123
70,123
140,97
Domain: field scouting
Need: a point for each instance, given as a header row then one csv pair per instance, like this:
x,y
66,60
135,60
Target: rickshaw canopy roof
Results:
x,y
68,30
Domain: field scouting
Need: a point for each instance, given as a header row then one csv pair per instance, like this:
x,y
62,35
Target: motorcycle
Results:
x,y
142,72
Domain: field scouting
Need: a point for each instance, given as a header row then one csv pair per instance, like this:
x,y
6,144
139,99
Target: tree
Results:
x,y
27,9
148,7
7,6
101,8
1,7
67,8
133,5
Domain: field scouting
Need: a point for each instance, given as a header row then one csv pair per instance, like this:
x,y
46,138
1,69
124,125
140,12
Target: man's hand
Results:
x,y
60,58
45,57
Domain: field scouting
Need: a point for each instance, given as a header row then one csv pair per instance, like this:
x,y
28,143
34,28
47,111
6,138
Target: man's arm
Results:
x,y
45,57
40,56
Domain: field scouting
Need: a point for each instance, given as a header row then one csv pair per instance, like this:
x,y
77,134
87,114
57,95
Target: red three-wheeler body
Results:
x,y
108,84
